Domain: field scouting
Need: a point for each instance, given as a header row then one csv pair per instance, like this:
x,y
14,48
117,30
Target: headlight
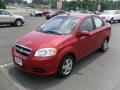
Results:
x,y
44,52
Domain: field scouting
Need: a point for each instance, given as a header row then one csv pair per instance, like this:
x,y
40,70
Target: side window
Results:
x,y
5,13
98,22
87,25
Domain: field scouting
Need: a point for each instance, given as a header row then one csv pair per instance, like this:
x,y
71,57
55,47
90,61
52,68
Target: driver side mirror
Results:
x,y
84,33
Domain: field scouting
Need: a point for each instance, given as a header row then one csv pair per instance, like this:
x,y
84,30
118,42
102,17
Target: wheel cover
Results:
x,y
105,45
67,66
19,23
111,21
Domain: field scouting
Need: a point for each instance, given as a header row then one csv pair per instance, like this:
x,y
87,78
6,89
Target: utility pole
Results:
x,y
50,4
22,2
81,7
87,7
99,5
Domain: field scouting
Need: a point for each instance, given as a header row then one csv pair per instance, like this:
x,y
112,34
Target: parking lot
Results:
x,y
98,71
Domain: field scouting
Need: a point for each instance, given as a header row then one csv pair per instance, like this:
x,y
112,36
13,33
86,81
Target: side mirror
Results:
x,y
84,33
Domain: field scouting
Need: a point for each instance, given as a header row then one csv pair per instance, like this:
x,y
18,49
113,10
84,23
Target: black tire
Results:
x,y
112,21
105,46
63,70
30,14
12,24
118,21
18,22
47,18
40,15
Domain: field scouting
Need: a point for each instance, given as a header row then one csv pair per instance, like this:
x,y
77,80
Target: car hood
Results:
x,y
19,16
36,40
105,15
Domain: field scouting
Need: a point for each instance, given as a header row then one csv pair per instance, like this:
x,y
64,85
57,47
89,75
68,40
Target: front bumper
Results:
x,y
36,65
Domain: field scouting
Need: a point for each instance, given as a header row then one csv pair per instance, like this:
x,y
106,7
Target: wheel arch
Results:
x,y
18,19
108,38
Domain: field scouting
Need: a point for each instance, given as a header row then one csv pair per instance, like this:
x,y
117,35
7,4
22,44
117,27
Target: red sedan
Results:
x,y
60,42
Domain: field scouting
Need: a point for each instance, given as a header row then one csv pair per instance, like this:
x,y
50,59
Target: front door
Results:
x,y
85,44
6,17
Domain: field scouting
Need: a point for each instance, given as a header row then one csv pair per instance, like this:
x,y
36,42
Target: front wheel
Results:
x,y
112,21
66,66
105,46
18,22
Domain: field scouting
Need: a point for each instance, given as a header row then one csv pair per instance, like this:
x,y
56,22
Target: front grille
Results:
x,y
23,50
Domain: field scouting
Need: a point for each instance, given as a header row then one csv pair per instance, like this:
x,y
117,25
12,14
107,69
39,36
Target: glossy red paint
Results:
x,y
79,46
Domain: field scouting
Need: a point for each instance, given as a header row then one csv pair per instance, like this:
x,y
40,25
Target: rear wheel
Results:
x,y
66,66
119,21
105,46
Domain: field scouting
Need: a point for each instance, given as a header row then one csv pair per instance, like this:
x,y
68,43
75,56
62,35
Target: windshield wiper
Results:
x,y
40,29
54,32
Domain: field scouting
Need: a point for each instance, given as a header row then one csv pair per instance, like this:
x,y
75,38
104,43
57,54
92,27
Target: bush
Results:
x,y
2,4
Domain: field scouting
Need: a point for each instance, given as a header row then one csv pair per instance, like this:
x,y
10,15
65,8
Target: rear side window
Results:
x,y
87,24
98,22
5,13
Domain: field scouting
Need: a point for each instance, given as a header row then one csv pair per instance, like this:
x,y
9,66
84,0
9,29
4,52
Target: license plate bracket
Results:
x,y
18,61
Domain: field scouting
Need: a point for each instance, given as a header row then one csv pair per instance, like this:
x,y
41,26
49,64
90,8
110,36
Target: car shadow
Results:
x,y
86,62
6,26
45,82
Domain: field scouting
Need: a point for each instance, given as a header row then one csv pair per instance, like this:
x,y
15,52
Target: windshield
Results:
x,y
59,25
108,12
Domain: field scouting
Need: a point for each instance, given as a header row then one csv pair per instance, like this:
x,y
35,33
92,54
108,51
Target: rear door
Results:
x,y
99,32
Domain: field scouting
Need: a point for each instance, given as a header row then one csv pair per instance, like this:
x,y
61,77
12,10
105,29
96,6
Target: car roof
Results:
x,y
79,15
4,10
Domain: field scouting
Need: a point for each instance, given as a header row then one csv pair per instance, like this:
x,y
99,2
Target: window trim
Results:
x,y
7,12
83,22
103,23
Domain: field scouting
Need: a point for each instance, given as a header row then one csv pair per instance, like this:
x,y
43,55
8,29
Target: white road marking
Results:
x,y
2,67
5,65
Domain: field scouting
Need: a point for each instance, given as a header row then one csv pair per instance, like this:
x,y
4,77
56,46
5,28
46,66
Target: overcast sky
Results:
x,y
28,1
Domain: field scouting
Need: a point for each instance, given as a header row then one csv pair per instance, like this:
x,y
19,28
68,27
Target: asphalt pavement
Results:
x,y
98,71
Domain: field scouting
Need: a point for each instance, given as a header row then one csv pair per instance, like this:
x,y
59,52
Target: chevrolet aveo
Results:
x,y
54,47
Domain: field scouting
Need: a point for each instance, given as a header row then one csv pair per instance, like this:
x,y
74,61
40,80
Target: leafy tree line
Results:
x,y
16,1
91,5
2,4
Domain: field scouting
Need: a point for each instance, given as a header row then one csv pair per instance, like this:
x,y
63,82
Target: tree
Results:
x,y
91,5
2,4
37,1
25,2
14,1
